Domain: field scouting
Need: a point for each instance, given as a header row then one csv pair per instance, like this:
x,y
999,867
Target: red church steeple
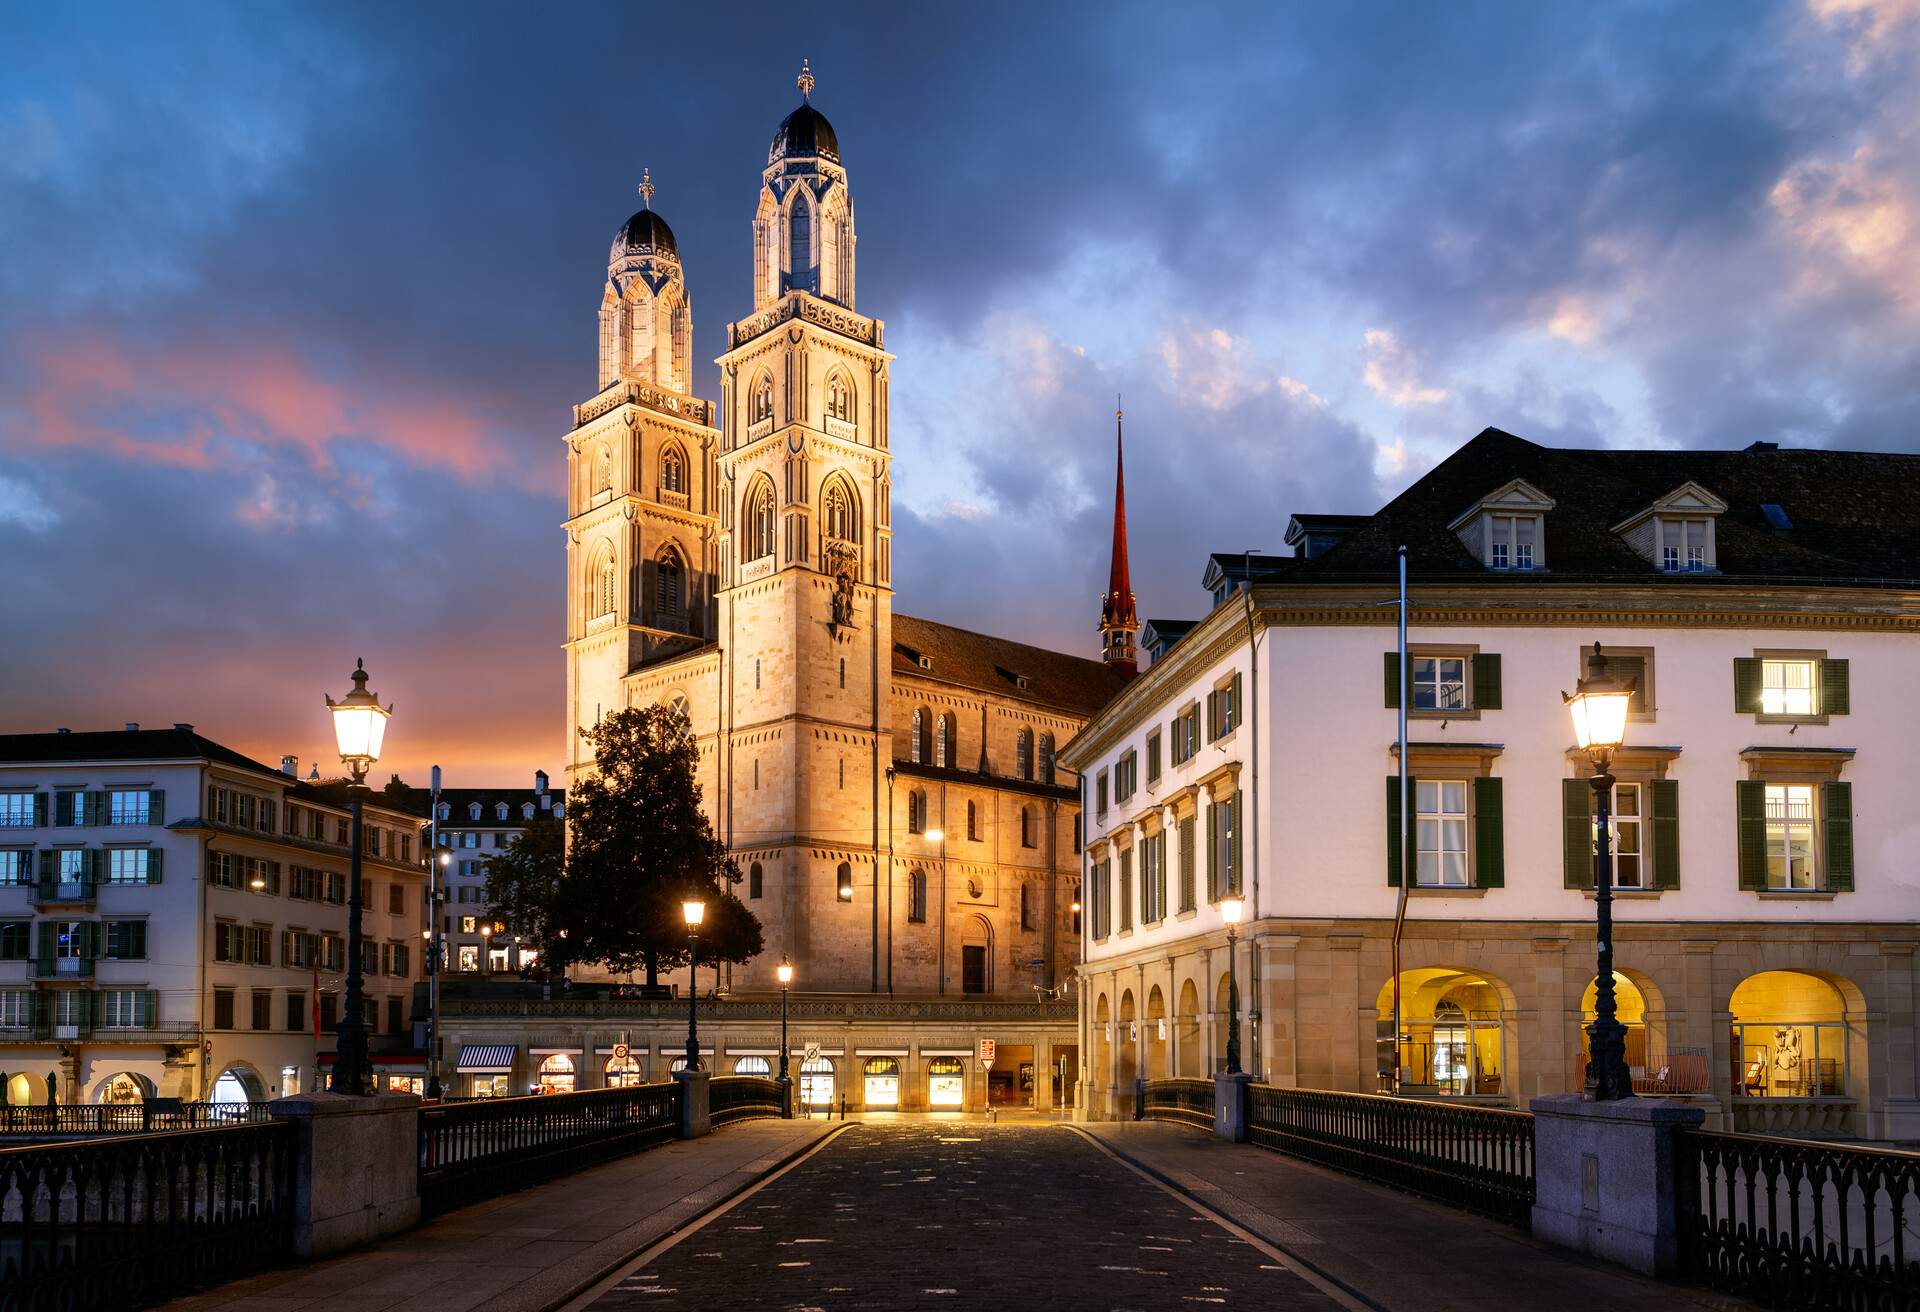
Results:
x,y
1118,622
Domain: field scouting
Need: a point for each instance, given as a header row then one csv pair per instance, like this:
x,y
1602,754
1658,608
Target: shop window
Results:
x,y
623,1072
946,1082
881,1076
816,1082
752,1066
556,1074
1789,1037
1452,1038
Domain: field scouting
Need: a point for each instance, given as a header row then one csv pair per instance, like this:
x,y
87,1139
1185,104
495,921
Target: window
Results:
x,y
1790,833
1126,776
669,583
1102,897
259,944
843,881
1027,836
1786,687
1026,906
673,470
973,823
602,471
333,952
130,865
127,940
470,839
840,398
1511,541
838,518
1441,807
760,402
1100,793
1126,890
16,866
973,968
1023,755
297,1018
19,811
757,542
394,1018
1153,758
1186,734
469,957
1223,709
262,1010
943,743
402,960
1439,683
329,1012
1629,837
1225,867
14,937
223,1009
16,1008
125,1008
917,897
1188,891
1153,879
129,807
1046,758
227,944
396,900
469,924
1683,546
753,881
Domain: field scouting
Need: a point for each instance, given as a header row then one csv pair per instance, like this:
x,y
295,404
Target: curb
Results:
x,y
587,1283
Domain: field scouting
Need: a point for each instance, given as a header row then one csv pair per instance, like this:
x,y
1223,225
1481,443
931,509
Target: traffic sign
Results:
x,y
986,1052
810,1054
620,1051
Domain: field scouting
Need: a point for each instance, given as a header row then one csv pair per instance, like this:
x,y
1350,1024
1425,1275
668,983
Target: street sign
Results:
x,y
620,1051
810,1054
986,1052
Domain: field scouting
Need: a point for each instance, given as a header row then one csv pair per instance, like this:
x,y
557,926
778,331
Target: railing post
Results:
x,y
695,1119
1230,1106
1607,1180
356,1168
786,1097
1139,1099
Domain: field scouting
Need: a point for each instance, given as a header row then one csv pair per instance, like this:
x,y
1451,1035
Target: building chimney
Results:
x,y
63,729
313,775
183,728
132,727
540,786
290,766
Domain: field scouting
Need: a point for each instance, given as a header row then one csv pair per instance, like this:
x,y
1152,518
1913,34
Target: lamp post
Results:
x,y
1231,910
784,972
436,943
693,912
359,728
1599,709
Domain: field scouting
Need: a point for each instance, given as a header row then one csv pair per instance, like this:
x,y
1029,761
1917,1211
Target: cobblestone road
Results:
x,y
956,1214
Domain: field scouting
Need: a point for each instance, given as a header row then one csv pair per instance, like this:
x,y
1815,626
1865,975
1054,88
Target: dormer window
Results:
x,y
500,810
526,810
1676,533
1506,529
473,810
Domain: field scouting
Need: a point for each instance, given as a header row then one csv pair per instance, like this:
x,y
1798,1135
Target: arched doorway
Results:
x,y
25,1090
556,1074
816,1082
946,1082
1792,1037
1453,1033
237,1084
1188,1050
1127,1038
1222,1026
1100,1065
1156,1035
124,1089
976,956
623,1072
881,1082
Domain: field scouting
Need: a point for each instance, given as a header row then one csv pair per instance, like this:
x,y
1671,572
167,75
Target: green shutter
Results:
x,y
49,868
1836,692
1239,815
1489,834
1395,830
1391,661
1663,795
43,950
96,807
90,937
94,865
1213,853
1750,810
1746,685
1836,806
39,810
149,1013
1486,681
153,864
1576,833
1634,670
157,805
1187,867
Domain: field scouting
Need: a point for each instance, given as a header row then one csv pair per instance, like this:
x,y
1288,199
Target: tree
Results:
x,y
523,889
639,846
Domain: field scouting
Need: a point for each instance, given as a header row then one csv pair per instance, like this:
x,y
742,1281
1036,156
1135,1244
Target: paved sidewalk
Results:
x,y
1393,1250
531,1250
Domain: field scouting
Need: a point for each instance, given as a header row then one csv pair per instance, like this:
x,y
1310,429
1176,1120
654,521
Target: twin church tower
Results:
x,y
735,559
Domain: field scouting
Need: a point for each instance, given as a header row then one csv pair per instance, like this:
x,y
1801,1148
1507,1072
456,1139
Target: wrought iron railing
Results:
x,y
475,1150
735,1097
129,1118
1479,1158
1189,1101
1797,1224
801,1008
127,1221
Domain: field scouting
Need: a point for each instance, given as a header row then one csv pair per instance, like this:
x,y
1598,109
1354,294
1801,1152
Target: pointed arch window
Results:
x,y
673,470
670,584
1023,755
1046,758
920,750
760,401
943,741
838,515
800,242
758,520
602,471
916,811
602,584
840,398
917,897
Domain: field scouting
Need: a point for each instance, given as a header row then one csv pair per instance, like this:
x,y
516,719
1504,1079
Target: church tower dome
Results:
x,y
646,315
803,239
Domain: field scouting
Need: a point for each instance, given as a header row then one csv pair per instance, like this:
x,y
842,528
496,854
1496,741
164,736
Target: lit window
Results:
x,y
1786,687
1442,835
1629,852
1790,821
1439,683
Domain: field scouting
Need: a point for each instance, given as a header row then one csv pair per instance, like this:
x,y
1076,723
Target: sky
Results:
x,y
294,300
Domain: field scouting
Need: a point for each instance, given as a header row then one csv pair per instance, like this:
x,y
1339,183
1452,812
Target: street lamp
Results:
x,y
1599,709
784,973
436,944
693,912
359,728
1231,909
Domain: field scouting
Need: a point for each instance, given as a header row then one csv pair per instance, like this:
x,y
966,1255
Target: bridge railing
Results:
x,y
1184,1099
129,1118
735,1097
1793,1223
1478,1158
126,1221
475,1150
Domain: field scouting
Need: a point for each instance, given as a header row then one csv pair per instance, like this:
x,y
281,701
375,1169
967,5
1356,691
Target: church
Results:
x,y
889,785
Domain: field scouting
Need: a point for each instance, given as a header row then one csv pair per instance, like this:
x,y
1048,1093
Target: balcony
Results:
x,y
64,892
63,967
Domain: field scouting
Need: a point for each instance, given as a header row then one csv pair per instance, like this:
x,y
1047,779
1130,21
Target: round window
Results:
x,y
973,886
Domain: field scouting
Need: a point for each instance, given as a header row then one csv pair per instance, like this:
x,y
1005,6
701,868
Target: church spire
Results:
x,y
1118,621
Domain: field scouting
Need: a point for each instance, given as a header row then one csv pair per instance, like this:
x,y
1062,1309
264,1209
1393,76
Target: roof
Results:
x,y
804,134
1855,515
1316,523
178,743
1223,566
646,233
419,801
1072,684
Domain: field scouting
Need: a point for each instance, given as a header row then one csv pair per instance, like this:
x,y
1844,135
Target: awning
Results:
x,y
487,1059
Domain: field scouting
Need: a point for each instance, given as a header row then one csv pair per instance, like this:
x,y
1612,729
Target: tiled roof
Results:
x,y
1071,684
1854,515
178,743
419,801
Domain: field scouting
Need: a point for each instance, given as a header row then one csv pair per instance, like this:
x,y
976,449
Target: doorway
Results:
x,y
973,968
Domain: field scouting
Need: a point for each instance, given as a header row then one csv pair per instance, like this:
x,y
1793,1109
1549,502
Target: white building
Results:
x,y
473,826
173,920
1767,602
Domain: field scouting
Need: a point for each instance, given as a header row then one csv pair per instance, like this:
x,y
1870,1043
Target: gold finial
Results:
x,y
646,188
805,81
1118,413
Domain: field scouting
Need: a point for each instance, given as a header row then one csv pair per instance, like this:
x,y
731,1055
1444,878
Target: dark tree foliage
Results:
x,y
523,890
638,846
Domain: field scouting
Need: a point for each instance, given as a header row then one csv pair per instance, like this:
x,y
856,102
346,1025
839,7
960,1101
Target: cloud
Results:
x,y
1389,373
1573,321
1872,24
1856,212
22,506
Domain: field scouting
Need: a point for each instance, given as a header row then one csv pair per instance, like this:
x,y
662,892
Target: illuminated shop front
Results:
x,y
754,1065
1789,1037
816,1082
624,1072
881,1086
1452,1036
946,1082
556,1073
485,1070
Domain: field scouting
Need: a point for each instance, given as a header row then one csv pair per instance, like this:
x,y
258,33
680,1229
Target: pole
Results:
x,y
693,1000
350,1063
433,942
1608,1079
786,1085
1406,852
1233,1006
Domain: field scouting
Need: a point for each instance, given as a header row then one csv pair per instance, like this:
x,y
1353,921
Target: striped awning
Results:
x,y
487,1059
